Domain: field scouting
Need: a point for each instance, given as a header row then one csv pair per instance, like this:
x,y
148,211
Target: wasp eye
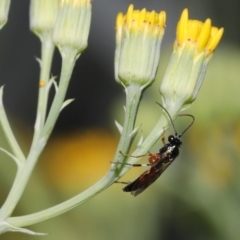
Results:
x,y
170,138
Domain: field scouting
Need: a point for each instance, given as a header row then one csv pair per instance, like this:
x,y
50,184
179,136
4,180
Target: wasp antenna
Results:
x,y
193,119
170,118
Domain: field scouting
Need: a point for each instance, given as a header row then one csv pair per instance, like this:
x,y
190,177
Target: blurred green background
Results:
x,y
198,197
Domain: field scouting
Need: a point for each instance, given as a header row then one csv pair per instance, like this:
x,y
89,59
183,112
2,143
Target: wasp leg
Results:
x,y
153,157
133,165
127,155
122,182
163,136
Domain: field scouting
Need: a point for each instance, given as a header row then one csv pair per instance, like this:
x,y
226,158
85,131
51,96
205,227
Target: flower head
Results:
x,y
43,14
4,8
72,25
138,39
204,36
193,48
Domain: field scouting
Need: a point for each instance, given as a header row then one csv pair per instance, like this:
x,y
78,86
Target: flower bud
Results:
x,y
4,8
138,39
193,48
72,25
43,14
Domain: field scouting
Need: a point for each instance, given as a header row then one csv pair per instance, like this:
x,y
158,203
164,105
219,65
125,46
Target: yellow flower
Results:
x,y
193,48
203,36
138,40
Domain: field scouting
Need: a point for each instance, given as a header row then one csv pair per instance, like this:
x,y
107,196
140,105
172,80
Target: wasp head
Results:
x,y
174,140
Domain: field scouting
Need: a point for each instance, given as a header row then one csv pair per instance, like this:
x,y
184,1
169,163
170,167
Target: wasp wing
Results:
x,y
146,179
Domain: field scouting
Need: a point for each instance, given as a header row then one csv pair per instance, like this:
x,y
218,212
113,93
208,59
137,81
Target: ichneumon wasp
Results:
x,y
158,162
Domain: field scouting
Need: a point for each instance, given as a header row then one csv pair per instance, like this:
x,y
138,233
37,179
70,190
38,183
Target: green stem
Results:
x,y
45,65
24,172
68,62
25,169
133,94
19,184
133,97
9,133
